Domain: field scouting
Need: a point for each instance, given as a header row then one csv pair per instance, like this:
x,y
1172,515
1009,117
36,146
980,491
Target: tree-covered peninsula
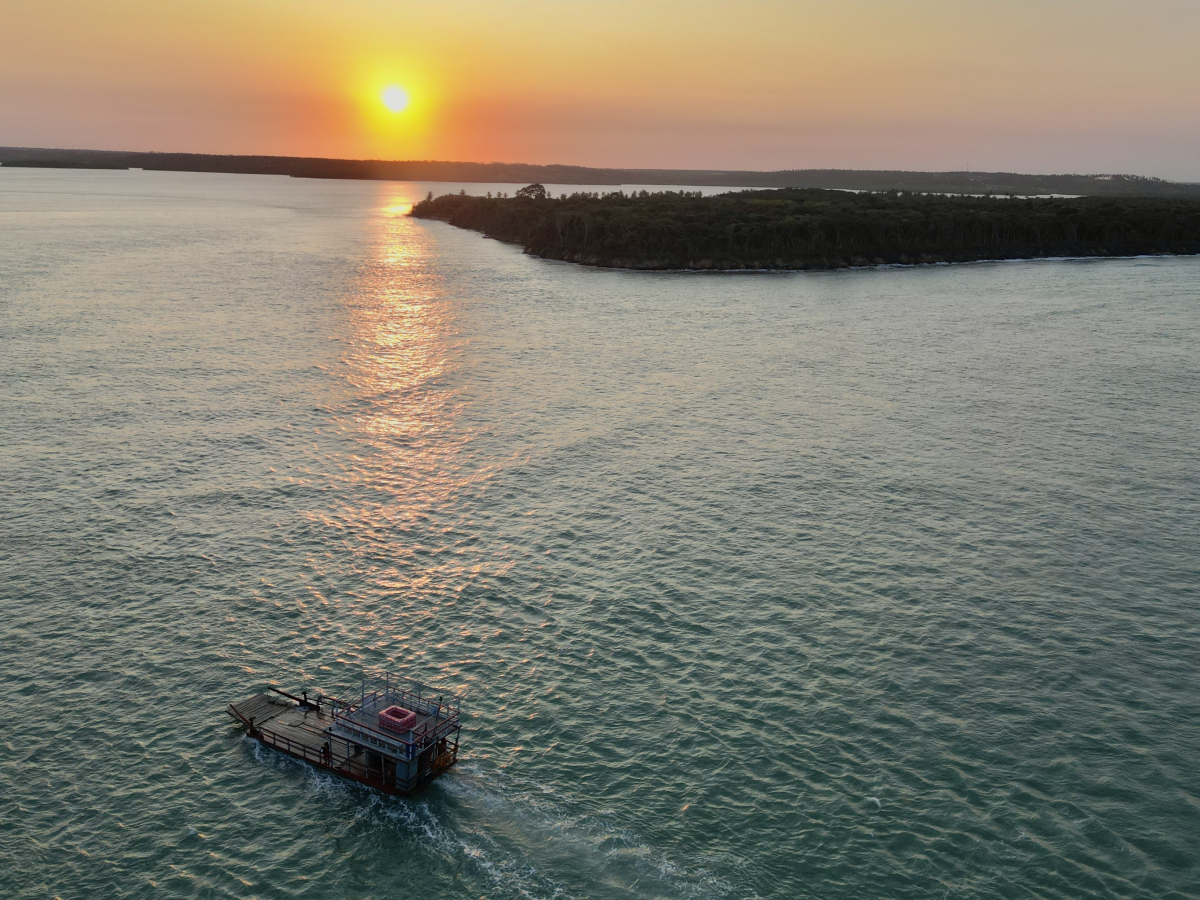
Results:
x,y
817,229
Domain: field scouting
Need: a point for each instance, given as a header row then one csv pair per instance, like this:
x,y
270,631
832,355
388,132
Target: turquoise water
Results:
x,y
863,584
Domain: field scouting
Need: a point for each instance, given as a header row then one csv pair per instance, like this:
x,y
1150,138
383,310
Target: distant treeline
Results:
x,y
519,173
817,229
60,164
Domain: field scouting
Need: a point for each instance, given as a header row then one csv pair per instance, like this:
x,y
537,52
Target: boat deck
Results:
x,y
301,729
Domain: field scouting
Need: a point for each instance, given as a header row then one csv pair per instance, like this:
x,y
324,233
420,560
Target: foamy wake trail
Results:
x,y
526,844
531,845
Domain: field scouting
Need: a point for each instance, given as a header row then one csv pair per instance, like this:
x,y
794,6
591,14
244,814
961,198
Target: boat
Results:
x,y
396,736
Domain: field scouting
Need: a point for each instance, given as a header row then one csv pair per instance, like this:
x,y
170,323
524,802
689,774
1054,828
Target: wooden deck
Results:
x,y
300,726
293,728
261,708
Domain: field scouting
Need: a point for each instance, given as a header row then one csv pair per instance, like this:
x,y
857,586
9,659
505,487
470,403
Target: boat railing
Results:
x,y
421,736
379,699
346,765
411,690
293,747
440,709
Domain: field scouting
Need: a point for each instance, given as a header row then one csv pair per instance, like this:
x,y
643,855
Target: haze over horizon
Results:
x,y
1042,87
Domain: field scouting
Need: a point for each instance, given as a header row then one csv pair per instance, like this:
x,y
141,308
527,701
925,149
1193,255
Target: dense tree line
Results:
x,y
818,229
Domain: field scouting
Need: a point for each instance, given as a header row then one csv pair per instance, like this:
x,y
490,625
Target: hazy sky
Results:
x,y
1049,86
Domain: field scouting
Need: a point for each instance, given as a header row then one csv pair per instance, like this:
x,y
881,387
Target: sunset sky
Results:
x,y
1049,86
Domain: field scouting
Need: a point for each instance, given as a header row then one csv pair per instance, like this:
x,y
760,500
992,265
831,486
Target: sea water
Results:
x,y
876,583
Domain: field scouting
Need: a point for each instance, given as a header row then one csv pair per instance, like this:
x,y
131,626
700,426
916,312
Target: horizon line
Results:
x,y
610,169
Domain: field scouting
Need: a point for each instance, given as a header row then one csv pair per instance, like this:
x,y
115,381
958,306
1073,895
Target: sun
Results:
x,y
395,98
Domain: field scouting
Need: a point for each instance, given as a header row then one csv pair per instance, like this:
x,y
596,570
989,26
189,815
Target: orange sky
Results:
x,y
1055,85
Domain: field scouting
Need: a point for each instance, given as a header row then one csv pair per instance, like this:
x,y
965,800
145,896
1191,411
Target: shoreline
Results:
x,y
854,268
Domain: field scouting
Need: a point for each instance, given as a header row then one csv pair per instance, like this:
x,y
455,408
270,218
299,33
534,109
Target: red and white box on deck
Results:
x,y
397,719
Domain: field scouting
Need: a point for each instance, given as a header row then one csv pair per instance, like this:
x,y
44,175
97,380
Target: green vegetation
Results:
x,y
817,229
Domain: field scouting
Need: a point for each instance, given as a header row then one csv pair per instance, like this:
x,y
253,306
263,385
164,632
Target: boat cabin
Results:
x,y
396,736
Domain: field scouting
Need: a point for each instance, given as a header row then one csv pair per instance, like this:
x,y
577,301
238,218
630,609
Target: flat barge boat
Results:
x,y
395,737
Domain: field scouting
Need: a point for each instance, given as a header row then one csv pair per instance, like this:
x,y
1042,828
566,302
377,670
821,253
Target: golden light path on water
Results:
x,y
402,352
404,341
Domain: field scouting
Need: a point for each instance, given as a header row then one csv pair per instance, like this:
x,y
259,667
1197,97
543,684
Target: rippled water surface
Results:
x,y
863,584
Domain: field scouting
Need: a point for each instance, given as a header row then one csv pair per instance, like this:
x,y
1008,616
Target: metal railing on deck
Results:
x,y
418,697
346,766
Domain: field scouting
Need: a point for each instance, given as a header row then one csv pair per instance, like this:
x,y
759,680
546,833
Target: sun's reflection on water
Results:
x,y
405,348
403,516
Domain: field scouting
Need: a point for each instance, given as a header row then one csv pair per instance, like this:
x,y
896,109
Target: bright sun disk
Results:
x,y
395,98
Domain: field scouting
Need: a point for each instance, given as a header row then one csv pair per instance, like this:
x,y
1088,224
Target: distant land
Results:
x,y
520,173
817,229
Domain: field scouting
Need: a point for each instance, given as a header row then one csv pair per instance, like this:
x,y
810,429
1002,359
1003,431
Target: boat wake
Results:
x,y
531,846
